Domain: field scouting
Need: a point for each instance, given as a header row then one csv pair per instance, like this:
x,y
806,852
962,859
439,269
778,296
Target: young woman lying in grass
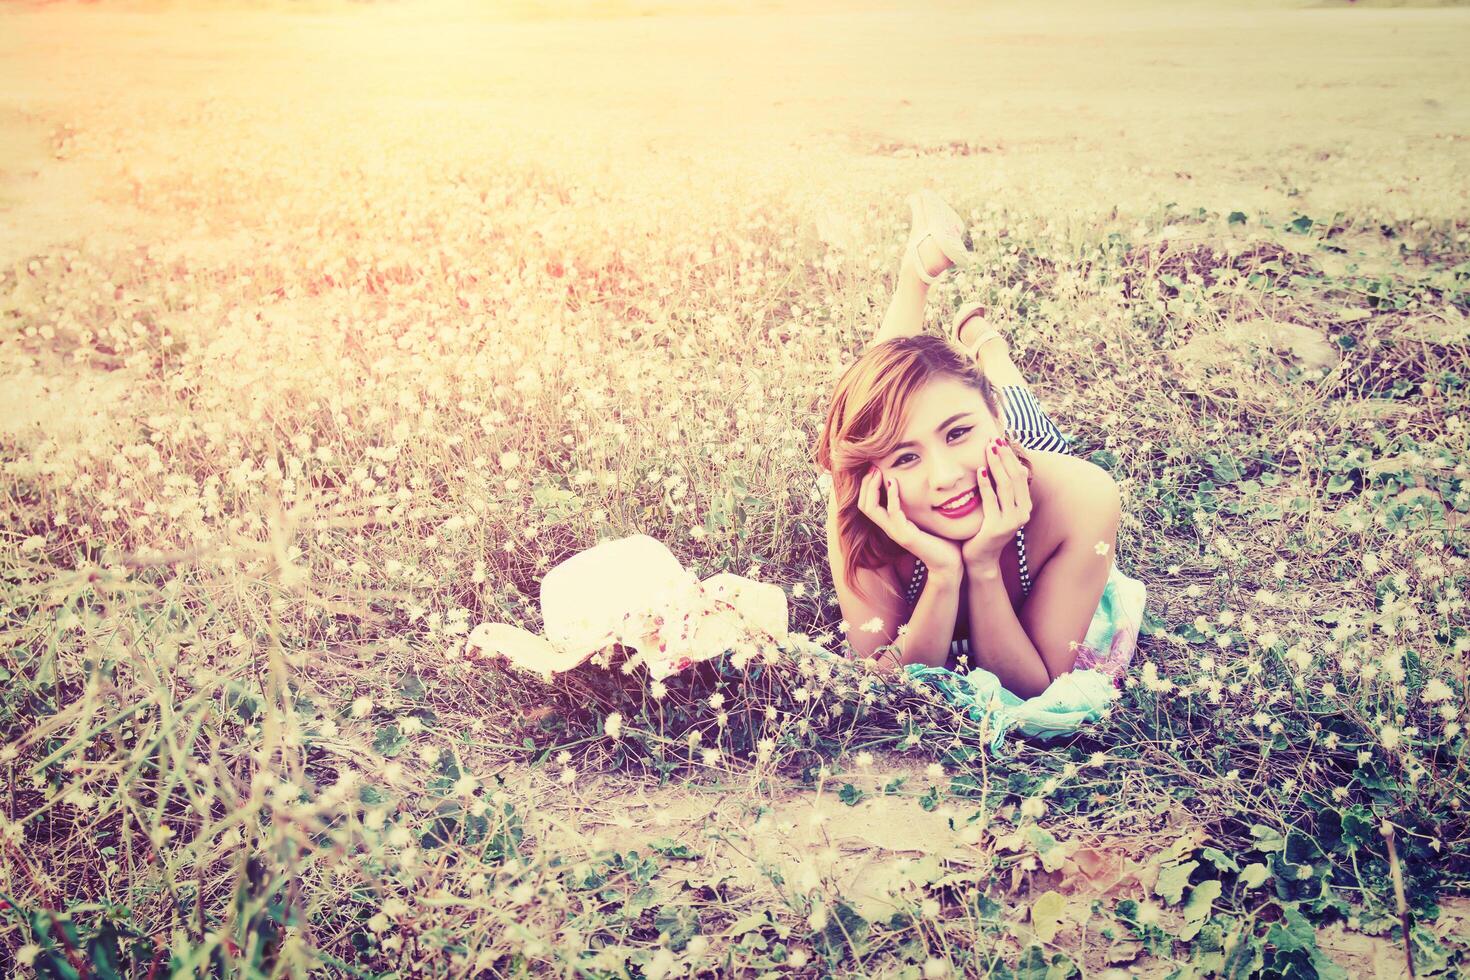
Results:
x,y
961,532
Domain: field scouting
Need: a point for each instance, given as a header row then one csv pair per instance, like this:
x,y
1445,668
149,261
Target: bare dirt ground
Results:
x,y
1125,105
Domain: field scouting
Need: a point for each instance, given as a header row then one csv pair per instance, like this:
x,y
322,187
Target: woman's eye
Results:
x,y
953,432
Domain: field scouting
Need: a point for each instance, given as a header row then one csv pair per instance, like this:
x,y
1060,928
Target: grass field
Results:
x,y
328,329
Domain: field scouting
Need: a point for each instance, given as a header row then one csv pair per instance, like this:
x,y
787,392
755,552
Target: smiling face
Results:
x,y
940,451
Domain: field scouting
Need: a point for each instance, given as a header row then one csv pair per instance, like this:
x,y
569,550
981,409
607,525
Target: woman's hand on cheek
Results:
x,y
1005,506
937,554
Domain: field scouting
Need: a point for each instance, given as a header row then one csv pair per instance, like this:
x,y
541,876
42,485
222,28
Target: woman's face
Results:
x,y
941,450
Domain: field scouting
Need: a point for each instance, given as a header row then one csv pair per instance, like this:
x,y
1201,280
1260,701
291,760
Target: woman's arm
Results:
x,y
1027,652
931,626
1002,646
1070,585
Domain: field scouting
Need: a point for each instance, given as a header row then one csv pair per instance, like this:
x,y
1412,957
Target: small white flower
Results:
x,y
613,726
935,969
874,625
1437,690
1101,547
863,759
362,707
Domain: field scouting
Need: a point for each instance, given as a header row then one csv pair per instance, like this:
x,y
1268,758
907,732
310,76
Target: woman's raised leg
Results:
x,y
905,314
1024,415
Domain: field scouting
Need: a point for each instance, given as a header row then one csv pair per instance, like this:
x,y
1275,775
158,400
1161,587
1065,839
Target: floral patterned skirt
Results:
x,y
1112,636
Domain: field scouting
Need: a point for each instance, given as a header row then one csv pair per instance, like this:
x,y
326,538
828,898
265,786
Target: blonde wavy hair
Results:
x,y
866,420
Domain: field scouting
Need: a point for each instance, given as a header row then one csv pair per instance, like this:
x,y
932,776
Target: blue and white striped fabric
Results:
x,y
1029,422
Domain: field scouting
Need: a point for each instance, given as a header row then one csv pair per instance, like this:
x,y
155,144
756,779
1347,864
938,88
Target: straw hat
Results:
x,y
634,592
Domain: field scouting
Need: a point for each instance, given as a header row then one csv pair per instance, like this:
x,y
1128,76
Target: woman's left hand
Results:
x,y
1005,503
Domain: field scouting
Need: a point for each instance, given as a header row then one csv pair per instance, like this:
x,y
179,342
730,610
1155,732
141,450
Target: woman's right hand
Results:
x,y
938,554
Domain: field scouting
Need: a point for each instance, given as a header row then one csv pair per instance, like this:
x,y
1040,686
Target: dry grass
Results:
x,y
326,334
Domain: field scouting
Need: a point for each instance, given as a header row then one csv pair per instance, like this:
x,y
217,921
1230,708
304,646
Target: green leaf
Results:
x,y
1201,900
1226,470
671,848
1254,875
753,922
680,922
389,741
1046,915
1236,218
411,686
1221,860
850,794
1293,932
1267,838
1339,483
105,954
1358,829
1300,225
1172,879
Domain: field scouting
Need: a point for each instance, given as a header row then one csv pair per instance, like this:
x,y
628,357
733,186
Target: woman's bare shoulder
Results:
x,y
1069,495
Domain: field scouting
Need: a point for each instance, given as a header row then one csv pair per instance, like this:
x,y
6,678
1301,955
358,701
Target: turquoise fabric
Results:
x,y
1072,700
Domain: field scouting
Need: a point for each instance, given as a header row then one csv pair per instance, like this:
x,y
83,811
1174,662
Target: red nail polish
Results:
x,y
985,471
1005,442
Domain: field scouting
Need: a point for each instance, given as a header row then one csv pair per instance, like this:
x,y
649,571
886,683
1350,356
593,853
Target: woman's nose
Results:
x,y
946,473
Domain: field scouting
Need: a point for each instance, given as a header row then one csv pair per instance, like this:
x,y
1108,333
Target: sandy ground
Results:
x,y
1256,107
